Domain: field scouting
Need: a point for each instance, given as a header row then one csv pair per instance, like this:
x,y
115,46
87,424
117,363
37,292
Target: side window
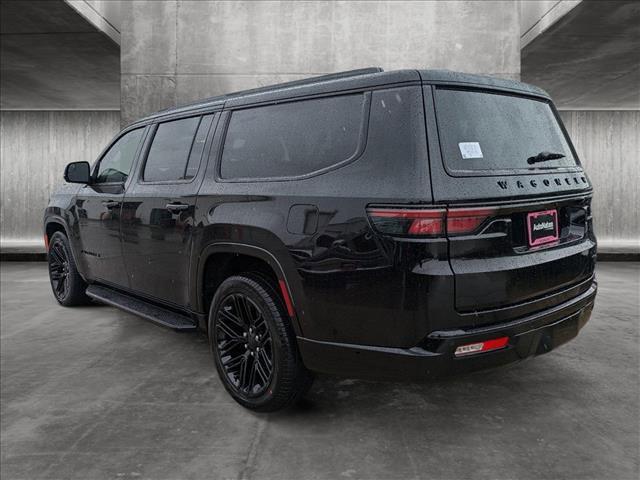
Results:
x,y
292,139
176,149
115,165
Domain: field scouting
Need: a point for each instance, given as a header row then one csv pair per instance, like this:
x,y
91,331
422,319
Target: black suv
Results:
x,y
388,225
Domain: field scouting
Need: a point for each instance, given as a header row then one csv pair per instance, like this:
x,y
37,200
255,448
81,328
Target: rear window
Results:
x,y
487,132
293,139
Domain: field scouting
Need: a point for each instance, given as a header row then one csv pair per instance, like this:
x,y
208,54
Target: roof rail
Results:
x,y
333,76
308,81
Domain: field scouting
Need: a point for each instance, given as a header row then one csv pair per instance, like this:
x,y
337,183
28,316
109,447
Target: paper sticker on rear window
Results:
x,y
470,150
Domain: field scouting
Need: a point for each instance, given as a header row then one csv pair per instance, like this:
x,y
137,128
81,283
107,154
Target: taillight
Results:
x,y
431,222
461,221
407,221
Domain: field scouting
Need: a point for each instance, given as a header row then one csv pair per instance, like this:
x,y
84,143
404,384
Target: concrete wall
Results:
x,y
608,143
35,147
177,51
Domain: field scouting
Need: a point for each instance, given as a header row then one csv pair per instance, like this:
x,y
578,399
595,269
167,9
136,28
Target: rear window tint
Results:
x,y
482,132
293,139
169,152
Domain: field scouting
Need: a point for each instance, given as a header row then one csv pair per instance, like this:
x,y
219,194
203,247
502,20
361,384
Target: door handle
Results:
x,y
110,204
176,207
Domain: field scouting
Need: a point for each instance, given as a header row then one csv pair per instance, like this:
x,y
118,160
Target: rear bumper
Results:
x,y
528,336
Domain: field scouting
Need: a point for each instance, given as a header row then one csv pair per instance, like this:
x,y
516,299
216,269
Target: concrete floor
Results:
x,y
97,393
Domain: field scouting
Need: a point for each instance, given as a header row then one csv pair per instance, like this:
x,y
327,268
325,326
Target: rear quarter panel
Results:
x,y
346,283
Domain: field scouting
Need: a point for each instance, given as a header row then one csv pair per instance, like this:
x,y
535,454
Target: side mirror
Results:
x,y
78,172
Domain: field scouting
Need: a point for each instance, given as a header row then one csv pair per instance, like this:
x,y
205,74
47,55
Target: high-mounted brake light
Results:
x,y
431,222
479,347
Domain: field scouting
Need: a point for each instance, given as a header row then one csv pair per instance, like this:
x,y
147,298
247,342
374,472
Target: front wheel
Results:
x,y
67,284
254,346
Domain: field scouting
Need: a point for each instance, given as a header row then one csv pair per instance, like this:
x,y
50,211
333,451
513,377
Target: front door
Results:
x,y
98,208
159,206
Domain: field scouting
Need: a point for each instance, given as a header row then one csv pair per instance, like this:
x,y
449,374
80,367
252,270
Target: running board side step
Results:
x,y
157,315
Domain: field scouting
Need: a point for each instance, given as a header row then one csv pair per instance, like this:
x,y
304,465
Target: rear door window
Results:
x,y
293,139
489,133
176,149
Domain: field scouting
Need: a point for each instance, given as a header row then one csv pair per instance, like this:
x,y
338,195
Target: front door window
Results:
x,y
116,163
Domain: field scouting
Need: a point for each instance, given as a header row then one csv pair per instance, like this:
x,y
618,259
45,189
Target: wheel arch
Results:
x,y
53,225
239,252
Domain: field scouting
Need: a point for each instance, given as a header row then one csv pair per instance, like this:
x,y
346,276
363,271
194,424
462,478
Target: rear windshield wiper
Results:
x,y
543,157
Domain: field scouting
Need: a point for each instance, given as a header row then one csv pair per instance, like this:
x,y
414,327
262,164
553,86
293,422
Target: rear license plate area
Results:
x,y
542,227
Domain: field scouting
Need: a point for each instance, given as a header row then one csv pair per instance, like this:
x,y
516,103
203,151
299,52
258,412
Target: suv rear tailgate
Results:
x,y
496,267
480,140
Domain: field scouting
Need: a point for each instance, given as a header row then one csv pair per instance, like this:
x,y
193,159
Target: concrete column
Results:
x,y
177,51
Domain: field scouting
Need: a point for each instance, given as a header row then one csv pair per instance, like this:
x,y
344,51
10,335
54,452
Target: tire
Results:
x,y
68,286
248,326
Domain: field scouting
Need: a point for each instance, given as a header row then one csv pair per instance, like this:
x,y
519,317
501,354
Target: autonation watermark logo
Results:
x,y
543,226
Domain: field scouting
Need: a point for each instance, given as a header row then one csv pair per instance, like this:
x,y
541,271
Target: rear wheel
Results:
x,y
254,346
67,284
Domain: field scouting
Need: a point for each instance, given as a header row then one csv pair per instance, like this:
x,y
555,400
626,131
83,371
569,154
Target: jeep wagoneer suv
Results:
x,y
388,225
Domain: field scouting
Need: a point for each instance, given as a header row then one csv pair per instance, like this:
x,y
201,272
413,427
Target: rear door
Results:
x,y
519,219
159,207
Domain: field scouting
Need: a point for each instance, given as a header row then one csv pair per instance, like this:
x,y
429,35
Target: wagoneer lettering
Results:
x,y
387,225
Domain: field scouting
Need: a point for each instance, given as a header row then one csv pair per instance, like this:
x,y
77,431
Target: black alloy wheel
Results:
x,y
68,286
254,345
59,269
244,345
